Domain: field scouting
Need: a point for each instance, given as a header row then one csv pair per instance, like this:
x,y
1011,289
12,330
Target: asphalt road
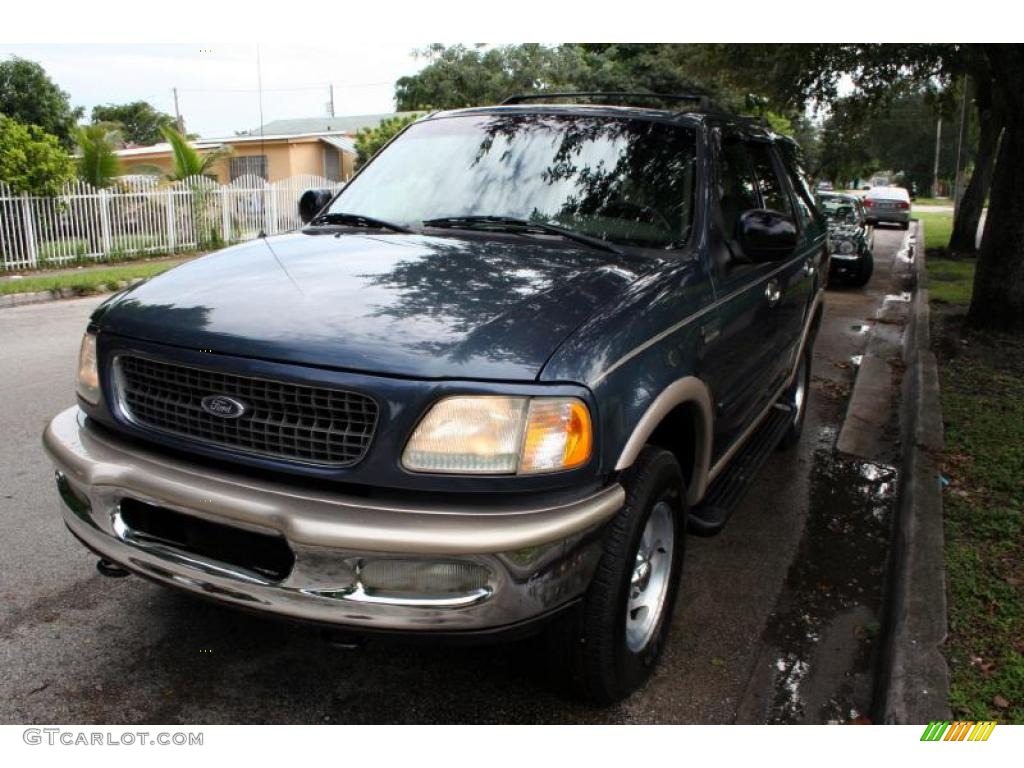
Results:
x,y
78,647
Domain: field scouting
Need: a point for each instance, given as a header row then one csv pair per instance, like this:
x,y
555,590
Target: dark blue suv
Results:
x,y
486,390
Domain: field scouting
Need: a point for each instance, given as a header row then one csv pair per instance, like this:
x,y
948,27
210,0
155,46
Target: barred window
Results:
x,y
249,165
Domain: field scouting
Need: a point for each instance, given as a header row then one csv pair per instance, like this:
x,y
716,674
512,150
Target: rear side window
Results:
x,y
774,195
737,185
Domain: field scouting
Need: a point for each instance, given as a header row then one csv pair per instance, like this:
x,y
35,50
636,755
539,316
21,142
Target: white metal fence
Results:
x,y
141,214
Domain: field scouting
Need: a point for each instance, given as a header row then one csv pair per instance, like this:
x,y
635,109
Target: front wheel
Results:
x,y
611,646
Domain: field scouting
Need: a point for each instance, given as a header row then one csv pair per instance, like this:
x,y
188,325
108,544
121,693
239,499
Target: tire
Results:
x,y
796,396
904,225
866,268
606,651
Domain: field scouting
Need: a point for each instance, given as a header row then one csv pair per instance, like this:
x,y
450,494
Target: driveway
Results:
x,y
774,622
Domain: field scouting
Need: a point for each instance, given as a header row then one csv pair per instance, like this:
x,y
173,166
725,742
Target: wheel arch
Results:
x,y
679,420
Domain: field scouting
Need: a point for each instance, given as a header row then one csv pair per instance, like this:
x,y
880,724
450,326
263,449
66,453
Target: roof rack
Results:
x,y
700,99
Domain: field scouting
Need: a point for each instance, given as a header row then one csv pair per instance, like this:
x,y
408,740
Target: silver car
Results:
x,y
887,205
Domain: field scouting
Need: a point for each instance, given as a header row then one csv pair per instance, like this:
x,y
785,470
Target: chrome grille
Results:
x,y
290,421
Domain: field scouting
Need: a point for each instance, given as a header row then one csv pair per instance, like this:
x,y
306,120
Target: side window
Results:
x,y
737,185
806,210
774,194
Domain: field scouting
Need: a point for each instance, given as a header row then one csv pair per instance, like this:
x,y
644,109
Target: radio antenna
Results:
x,y
263,151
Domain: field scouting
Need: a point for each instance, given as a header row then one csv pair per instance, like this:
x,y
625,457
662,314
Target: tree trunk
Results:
x,y
997,302
964,237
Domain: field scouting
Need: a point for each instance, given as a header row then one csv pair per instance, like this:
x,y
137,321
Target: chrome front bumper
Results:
x,y
538,559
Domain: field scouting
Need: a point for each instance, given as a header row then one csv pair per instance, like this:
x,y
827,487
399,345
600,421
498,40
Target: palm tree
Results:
x,y
189,164
187,161
97,162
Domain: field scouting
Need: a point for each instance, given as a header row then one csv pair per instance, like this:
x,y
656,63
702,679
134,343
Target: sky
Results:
x,y
217,84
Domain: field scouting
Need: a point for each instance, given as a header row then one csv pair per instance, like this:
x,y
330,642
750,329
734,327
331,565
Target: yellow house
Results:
x,y
321,146
272,157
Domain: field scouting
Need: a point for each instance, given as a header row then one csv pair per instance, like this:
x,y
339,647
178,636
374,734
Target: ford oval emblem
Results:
x,y
223,406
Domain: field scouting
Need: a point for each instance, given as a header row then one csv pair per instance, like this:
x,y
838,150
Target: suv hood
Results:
x,y
408,305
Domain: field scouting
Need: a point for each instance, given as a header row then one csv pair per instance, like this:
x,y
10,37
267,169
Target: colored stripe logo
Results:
x,y
960,730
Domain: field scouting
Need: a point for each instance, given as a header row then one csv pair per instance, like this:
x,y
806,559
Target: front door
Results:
x,y
741,333
793,275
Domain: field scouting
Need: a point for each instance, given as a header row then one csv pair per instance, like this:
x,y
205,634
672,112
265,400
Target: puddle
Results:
x,y
861,328
826,436
856,360
826,621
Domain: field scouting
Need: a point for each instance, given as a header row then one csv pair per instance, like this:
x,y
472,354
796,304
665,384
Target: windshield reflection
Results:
x,y
628,181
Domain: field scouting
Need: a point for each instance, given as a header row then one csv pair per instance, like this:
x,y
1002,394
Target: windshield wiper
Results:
x,y
357,220
512,224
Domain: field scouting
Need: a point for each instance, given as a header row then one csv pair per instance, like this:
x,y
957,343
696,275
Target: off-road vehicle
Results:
x,y
485,391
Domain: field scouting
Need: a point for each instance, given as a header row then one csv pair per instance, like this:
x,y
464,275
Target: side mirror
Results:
x,y
312,202
766,235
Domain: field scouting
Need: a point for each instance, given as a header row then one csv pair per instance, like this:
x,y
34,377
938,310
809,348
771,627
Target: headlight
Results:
x,y
488,435
845,247
88,383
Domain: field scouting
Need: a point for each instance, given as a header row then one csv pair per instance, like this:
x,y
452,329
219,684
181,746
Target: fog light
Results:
x,y
422,577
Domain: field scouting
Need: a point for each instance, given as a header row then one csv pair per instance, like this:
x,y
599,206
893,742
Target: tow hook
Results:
x,y
111,569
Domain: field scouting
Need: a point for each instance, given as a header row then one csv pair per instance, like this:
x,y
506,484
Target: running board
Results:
x,y
728,489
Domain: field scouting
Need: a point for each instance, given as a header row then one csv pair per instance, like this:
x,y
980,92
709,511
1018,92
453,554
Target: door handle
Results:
x,y
809,266
773,292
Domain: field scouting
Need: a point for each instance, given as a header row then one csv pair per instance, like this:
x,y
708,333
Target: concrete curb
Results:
x,y
913,680
57,294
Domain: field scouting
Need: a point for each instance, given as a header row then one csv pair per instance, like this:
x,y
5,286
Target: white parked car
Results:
x,y
887,205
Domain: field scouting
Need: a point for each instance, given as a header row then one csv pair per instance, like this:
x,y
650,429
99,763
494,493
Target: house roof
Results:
x,y
162,147
341,123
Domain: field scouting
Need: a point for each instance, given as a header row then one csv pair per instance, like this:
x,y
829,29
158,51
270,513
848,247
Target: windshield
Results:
x,y
839,211
626,181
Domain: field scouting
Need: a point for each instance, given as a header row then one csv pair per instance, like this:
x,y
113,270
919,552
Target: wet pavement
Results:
x,y
775,622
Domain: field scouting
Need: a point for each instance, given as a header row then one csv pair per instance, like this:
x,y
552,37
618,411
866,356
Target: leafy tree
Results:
x,y
140,122
807,134
98,163
462,76
857,139
843,154
187,164
186,160
29,96
902,137
31,160
369,140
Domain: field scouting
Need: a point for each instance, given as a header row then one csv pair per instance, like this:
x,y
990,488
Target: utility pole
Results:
x,y
958,188
177,112
330,102
938,145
